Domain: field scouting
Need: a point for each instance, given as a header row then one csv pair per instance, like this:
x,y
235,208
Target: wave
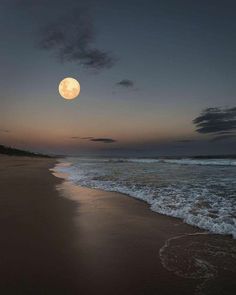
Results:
x,y
184,161
203,197
217,162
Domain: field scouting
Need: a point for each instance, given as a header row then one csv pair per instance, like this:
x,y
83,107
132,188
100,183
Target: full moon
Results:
x,y
69,88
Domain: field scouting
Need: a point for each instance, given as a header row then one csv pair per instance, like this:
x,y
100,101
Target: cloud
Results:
x,y
67,32
125,83
4,130
216,120
71,38
104,140
91,138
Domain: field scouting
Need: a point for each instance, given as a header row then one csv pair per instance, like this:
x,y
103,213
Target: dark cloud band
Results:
x,y
221,122
216,120
104,140
125,83
90,138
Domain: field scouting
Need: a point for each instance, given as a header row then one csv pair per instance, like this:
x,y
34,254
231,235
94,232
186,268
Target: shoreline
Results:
x,y
59,238
175,246
66,176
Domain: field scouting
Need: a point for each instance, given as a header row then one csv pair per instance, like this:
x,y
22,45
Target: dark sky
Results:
x,y
157,77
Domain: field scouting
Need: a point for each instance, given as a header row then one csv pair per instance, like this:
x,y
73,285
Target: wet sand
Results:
x,y
36,228
57,238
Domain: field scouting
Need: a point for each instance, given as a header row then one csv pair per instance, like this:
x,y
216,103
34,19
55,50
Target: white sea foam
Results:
x,y
202,195
197,262
216,162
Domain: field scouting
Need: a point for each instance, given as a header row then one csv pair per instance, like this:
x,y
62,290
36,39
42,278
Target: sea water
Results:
x,y
200,192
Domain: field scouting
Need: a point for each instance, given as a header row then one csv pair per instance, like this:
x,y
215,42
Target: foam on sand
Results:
x,y
203,195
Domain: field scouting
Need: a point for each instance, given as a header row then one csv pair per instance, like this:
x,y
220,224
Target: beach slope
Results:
x,y
59,238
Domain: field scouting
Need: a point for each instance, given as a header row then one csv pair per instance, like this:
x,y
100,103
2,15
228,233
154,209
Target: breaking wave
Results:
x,y
200,192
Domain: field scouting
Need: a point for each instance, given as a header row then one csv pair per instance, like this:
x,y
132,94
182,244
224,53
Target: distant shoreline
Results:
x,y
11,151
5,150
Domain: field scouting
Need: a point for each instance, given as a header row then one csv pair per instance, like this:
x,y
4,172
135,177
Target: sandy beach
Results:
x,y
58,238
36,230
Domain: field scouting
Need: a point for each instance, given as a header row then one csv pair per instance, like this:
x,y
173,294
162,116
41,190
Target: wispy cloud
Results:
x,y
125,83
71,38
104,140
4,131
220,122
68,32
94,139
215,120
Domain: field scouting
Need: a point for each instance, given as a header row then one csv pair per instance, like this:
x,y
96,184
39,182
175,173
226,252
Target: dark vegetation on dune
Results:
x,y
16,152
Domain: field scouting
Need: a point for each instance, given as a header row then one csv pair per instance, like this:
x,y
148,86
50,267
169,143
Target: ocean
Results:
x,y
200,192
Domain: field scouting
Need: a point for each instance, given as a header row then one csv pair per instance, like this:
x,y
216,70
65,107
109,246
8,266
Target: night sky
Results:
x,y
157,77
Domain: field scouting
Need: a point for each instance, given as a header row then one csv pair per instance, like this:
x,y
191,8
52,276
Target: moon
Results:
x,y
69,88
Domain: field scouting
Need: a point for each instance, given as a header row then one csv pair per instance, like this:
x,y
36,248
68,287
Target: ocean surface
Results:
x,y
200,192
